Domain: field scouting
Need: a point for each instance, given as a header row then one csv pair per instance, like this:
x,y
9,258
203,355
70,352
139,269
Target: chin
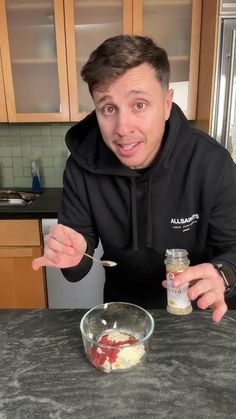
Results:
x,y
137,166
132,166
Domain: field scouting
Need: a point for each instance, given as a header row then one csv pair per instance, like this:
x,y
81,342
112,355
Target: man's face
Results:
x,y
131,114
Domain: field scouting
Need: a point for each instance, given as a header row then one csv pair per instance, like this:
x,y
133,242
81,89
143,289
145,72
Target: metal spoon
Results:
x,y
107,263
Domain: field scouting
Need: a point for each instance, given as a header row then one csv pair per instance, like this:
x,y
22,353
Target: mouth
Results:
x,y
128,150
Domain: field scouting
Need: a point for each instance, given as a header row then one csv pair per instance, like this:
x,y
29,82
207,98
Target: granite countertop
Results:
x,y
46,206
191,372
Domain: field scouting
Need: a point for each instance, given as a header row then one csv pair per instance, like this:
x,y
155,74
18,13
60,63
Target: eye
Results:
x,y
140,105
108,109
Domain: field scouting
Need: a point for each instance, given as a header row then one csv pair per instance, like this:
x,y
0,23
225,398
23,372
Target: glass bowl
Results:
x,y
116,336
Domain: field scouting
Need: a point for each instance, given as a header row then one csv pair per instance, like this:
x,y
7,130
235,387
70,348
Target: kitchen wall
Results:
x,y
20,143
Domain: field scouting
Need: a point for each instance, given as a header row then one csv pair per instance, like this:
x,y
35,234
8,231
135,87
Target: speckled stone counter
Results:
x,y
191,372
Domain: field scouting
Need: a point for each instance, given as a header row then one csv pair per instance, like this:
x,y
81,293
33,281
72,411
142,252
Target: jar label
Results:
x,y
176,296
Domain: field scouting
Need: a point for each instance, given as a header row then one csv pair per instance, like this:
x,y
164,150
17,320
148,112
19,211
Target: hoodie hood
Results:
x,y
88,149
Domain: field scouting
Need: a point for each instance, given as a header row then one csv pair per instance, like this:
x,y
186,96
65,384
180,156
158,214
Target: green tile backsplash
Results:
x,y
21,143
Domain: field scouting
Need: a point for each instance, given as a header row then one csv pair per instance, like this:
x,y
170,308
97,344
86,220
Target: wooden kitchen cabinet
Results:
x,y
32,43
88,24
3,109
208,63
20,286
44,43
174,25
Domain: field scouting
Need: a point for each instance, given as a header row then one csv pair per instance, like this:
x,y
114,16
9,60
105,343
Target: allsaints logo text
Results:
x,y
184,224
184,220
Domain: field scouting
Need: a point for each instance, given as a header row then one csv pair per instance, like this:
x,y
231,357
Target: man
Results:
x,y
142,180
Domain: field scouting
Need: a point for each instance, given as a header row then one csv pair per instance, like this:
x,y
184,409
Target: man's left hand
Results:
x,y
207,285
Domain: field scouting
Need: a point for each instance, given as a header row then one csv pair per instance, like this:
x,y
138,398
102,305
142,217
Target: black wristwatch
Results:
x,y
228,276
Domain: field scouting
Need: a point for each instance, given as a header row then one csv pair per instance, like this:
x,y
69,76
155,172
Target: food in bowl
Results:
x,y
123,353
116,336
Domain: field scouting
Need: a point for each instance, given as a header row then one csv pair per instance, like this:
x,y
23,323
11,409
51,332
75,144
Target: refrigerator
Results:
x,y
223,126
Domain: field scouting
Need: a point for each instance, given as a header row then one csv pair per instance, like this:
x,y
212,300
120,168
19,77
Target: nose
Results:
x,y
123,125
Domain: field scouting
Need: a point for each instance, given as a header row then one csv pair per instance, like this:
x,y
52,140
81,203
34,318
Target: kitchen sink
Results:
x,y
11,198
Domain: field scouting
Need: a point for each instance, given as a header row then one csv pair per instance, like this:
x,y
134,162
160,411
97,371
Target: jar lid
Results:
x,y
176,252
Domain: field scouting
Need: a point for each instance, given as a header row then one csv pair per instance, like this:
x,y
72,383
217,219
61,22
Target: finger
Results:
x,y
67,237
219,312
37,263
79,243
207,300
44,260
200,287
164,283
51,256
194,272
57,246
62,234
41,261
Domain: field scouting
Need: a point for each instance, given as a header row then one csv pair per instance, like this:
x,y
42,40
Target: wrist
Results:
x,y
228,276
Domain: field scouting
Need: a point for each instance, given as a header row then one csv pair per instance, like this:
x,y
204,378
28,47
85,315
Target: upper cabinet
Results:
x,y
44,44
3,109
88,24
209,53
32,42
175,25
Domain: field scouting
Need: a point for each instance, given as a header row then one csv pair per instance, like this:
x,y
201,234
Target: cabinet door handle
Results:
x,y
14,252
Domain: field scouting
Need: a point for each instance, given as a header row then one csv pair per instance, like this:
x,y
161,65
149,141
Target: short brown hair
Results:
x,y
116,55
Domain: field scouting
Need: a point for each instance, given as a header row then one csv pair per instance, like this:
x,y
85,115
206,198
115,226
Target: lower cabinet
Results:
x,y
20,286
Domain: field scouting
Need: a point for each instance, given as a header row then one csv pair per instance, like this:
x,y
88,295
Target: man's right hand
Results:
x,y
63,248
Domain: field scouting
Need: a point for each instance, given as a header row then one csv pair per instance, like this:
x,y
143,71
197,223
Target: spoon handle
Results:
x,y
93,258
106,263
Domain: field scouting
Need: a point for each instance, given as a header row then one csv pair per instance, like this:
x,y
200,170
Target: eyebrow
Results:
x,y
132,92
104,98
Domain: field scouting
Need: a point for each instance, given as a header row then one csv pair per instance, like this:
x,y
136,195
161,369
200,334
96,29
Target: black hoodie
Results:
x,y
186,199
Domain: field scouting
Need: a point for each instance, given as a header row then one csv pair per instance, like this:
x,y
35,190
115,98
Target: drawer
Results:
x,y
19,233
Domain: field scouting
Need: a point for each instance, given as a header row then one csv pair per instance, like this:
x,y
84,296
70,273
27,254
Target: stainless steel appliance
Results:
x,y
10,197
83,294
224,104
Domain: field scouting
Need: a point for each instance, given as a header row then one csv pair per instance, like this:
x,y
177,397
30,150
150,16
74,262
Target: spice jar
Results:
x,y
177,299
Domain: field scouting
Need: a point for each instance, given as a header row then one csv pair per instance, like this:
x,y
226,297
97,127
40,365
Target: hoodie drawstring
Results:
x,y
149,214
134,214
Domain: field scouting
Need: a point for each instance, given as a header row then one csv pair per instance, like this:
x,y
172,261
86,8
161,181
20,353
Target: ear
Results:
x,y
168,103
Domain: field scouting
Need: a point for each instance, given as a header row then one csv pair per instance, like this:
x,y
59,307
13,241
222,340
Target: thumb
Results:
x,y
164,283
38,263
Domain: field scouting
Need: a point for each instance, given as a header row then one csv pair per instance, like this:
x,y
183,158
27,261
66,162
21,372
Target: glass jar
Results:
x,y
177,299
